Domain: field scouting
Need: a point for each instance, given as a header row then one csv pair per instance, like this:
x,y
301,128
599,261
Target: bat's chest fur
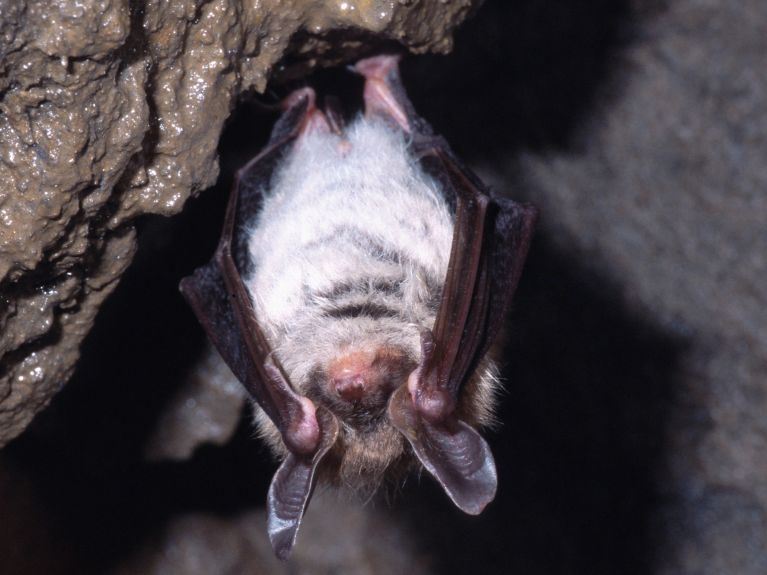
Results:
x,y
350,252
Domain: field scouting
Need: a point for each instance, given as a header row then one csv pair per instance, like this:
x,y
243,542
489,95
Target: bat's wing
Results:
x,y
490,243
223,306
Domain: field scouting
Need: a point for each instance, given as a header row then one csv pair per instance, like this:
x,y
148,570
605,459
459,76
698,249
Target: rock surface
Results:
x,y
110,110
666,195
361,540
206,409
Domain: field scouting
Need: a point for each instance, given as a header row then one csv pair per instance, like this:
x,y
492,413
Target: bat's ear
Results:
x,y
451,450
292,488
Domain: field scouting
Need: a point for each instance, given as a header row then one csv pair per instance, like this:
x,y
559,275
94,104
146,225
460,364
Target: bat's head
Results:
x,y
356,386
352,368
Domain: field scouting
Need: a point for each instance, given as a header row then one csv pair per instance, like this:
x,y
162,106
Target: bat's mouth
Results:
x,y
357,384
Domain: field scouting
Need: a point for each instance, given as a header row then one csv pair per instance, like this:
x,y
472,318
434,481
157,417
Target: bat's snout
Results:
x,y
361,375
350,384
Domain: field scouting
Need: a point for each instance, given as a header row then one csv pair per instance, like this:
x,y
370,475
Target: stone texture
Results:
x,y
110,110
337,537
666,195
206,409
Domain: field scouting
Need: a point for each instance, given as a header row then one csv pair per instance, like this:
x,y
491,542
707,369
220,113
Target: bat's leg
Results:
x,y
383,93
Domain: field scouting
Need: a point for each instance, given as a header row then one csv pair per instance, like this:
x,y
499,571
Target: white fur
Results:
x,y
369,183
358,213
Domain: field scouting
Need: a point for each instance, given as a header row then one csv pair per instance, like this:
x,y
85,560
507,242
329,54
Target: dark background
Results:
x,y
587,382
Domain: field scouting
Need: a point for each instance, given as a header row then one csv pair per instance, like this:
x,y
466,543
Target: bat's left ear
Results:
x,y
452,451
292,487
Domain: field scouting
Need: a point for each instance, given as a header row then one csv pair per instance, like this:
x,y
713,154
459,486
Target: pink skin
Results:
x,y
379,99
315,120
296,96
350,374
305,437
434,405
303,433
358,374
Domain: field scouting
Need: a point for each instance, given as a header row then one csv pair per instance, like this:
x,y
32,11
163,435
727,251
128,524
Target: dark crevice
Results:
x,y
524,74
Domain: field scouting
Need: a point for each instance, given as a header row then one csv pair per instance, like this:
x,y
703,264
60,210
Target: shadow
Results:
x,y
523,74
583,421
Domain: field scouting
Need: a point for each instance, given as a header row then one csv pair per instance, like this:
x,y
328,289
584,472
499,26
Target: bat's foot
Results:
x,y
296,97
378,66
314,119
384,94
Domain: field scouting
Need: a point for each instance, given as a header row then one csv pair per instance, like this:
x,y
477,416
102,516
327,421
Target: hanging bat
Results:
x,y
361,276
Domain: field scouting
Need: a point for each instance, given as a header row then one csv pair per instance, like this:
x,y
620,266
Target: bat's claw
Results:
x,y
314,119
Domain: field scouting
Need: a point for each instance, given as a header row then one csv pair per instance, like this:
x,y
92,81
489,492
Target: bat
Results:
x,y
361,277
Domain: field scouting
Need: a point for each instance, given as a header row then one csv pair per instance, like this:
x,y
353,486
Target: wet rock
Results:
x,y
633,433
112,109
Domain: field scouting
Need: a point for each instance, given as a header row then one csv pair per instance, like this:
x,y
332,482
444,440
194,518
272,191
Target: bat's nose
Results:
x,y
351,375
350,386
361,375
